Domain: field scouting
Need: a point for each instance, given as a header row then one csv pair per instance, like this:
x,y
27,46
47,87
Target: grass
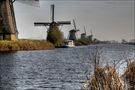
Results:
x,y
24,44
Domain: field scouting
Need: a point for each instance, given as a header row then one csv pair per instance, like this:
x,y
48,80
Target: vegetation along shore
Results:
x,y
23,44
107,78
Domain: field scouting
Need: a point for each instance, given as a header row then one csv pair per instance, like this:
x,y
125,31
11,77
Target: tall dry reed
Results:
x,y
105,79
25,45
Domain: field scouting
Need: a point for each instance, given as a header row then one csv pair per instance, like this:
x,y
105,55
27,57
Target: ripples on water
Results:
x,y
59,69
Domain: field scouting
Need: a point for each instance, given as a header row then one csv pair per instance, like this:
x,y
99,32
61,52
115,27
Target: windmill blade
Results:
x,y
42,23
30,2
74,24
77,30
84,30
64,22
91,31
48,23
52,12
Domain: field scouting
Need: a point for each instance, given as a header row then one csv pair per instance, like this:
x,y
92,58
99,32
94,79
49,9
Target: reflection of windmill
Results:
x,y
53,21
83,35
72,33
8,29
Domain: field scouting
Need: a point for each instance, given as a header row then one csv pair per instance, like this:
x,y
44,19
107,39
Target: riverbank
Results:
x,y
23,44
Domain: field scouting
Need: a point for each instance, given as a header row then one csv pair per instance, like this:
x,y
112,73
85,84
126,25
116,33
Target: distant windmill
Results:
x,y
52,20
8,28
90,37
72,33
83,35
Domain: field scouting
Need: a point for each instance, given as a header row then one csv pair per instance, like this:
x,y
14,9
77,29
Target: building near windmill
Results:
x,y
8,29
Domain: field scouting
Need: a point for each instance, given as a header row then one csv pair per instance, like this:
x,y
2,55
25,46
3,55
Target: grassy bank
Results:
x,y
81,42
25,45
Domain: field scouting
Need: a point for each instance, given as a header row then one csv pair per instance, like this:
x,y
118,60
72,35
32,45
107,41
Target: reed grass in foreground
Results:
x,y
108,79
105,79
25,45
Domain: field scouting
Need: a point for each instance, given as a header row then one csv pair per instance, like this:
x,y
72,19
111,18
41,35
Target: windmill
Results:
x,y
59,23
83,35
72,33
90,37
8,28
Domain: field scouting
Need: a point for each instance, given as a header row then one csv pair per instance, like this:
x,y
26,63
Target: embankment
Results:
x,y
20,45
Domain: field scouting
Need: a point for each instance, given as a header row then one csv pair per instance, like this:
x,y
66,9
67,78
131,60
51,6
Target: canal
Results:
x,y
58,69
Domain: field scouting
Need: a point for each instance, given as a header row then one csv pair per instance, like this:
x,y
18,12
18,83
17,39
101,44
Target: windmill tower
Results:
x,y
72,33
90,37
83,35
59,23
8,29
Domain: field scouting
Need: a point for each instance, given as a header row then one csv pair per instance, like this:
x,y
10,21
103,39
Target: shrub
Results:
x,y
55,36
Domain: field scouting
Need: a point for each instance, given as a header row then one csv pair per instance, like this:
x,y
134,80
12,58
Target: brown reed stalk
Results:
x,y
105,79
129,76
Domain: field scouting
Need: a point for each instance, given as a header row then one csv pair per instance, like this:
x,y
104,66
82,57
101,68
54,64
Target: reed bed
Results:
x,y
129,76
108,79
105,79
25,45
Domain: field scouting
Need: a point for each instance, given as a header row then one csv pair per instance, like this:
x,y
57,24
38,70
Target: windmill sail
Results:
x,y
52,12
84,30
74,24
52,20
30,2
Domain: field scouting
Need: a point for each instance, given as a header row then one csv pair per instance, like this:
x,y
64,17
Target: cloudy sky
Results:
x,y
108,20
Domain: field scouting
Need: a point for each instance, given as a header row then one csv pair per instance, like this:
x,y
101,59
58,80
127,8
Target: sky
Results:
x,y
108,20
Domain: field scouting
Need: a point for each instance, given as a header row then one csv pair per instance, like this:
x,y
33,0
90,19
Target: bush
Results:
x,y
55,36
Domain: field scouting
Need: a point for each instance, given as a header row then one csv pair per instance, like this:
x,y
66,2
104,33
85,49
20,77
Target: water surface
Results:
x,y
58,69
